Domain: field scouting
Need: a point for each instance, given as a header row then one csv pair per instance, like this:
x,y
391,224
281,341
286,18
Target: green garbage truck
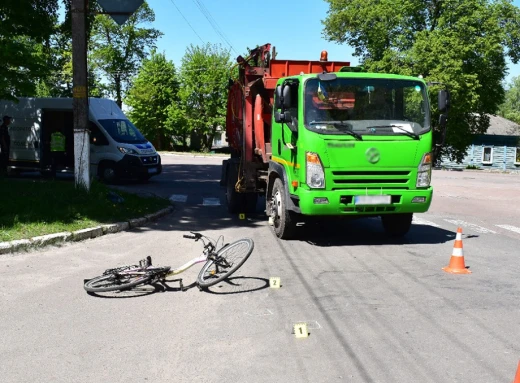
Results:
x,y
322,138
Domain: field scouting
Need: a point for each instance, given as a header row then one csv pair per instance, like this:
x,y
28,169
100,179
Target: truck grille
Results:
x,y
377,179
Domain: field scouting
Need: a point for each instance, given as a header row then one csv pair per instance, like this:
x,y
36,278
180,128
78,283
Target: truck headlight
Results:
x,y
315,174
424,171
126,150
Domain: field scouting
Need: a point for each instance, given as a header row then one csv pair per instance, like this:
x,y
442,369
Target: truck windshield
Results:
x,y
123,131
367,106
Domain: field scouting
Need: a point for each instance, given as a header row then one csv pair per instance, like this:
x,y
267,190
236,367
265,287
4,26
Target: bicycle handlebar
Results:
x,y
195,236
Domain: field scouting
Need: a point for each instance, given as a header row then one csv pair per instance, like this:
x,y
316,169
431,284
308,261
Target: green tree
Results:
x,y
204,77
24,26
460,43
118,51
153,91
510,109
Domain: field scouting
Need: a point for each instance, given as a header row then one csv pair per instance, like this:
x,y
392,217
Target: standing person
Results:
x,y
57,149
5,143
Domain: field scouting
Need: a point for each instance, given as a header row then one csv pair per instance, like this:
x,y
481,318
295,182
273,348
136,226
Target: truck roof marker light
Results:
x,y
324,56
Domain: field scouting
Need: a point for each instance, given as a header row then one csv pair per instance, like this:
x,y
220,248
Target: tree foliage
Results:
x,y
204,77
25,25
460,43
118,51
153,91
510,109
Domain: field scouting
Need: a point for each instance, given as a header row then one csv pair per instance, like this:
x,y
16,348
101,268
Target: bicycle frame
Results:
x,y
187,265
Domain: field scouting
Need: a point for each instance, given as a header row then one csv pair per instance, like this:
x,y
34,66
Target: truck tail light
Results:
x,y
315,174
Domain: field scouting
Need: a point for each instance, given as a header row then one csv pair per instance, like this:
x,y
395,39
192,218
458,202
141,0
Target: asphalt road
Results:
x,y
377,310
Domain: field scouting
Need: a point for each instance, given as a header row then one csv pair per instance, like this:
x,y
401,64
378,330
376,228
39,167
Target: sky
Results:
x,y
294,27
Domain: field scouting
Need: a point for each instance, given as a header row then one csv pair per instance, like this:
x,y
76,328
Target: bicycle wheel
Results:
x,y
115,282
228,260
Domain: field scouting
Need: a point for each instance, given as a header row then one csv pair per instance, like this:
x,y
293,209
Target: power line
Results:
x,y
187,22
213,23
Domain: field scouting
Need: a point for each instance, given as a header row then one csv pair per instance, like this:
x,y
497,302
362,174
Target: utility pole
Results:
x,y
80,94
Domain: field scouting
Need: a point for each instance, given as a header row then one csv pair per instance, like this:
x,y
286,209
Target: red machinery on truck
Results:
x,y
248,121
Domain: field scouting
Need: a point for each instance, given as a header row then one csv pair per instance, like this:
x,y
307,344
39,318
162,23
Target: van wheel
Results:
x,y
108,174
284,220
397,225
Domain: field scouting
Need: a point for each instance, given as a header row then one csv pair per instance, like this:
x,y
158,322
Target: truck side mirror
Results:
x,y
443,119
443,100
278,98
287,102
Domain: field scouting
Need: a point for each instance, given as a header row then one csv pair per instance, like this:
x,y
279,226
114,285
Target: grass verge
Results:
x,y
30,208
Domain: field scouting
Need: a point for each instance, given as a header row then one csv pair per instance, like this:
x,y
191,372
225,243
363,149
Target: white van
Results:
x,y
117,148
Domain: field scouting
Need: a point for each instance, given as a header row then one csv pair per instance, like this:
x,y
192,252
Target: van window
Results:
x,y
96,136
123,131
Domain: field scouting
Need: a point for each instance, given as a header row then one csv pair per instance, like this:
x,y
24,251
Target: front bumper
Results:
x,y
341,202
131,166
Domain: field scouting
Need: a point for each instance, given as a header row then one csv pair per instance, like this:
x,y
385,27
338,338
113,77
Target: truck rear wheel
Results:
x,y
284,223
397,225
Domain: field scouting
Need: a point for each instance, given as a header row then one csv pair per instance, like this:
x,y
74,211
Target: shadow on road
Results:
x,y
366,231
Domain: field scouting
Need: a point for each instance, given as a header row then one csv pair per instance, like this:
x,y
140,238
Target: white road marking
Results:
x,y
420,221
477,228
510,228
211,201
178,198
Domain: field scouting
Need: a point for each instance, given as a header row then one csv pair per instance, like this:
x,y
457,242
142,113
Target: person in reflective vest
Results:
x,y
57,149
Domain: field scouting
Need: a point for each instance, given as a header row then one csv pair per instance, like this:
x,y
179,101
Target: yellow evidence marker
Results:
x,y
300,330
274,282
242,216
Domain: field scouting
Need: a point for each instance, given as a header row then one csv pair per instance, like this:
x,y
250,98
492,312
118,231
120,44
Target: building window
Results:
x,y
517,156
487,155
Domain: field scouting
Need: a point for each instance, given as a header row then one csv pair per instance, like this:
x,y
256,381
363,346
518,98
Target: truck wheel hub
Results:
x,y
277,205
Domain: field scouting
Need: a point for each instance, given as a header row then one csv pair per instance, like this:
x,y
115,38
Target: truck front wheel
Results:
x,y
283,220
397,225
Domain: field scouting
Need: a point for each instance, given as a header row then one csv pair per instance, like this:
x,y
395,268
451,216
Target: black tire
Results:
x,y
397,225
284,220
108,173
234,199
228,260
111,282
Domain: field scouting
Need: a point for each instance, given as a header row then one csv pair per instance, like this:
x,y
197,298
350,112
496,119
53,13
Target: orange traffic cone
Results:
x,y
457,265
517,376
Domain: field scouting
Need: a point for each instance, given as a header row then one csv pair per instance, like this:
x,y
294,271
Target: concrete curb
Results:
x,y
79,235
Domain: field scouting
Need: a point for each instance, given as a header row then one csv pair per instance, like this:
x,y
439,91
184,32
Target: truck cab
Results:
x,y
350,144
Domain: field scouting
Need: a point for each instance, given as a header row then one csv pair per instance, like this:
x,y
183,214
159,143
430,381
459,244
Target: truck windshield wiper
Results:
x,y
407,132
339,124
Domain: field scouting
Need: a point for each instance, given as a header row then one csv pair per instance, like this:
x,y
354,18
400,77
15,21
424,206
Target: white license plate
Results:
x,y
372,200
152,170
